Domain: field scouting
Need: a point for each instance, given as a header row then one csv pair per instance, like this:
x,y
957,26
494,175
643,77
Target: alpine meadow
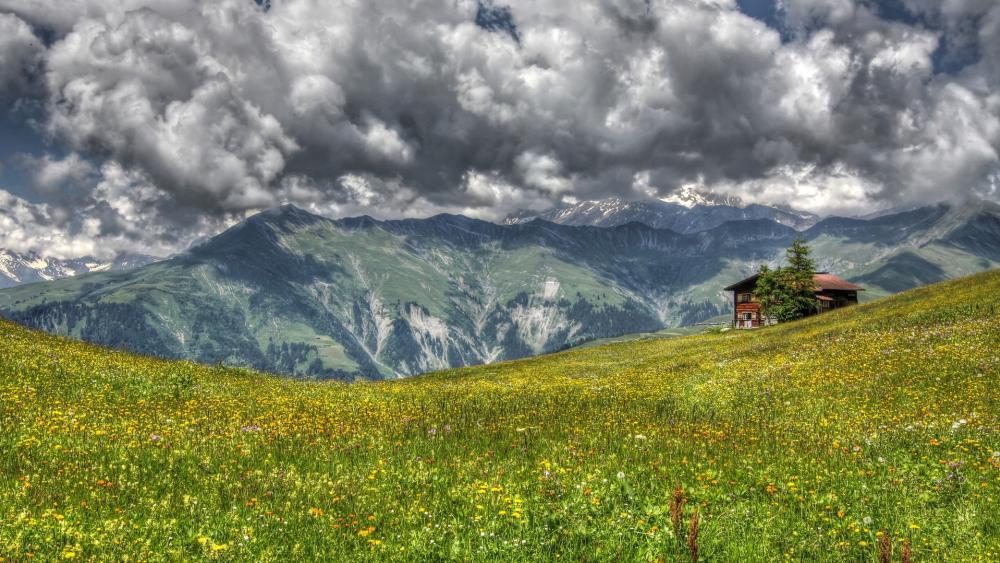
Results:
x,y
650,281
868,433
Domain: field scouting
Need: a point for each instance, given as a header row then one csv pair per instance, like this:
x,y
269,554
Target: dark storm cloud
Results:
x,y
21,54
194,114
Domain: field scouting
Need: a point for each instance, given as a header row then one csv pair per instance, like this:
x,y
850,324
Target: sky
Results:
x,y
143,125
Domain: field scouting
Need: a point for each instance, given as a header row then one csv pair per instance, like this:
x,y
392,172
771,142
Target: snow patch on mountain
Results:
x,y
690,198
687,211
7,267
17,268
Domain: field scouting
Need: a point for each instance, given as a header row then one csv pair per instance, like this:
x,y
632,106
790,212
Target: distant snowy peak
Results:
x,y
688,211
690,198
25,268
17,268
590,211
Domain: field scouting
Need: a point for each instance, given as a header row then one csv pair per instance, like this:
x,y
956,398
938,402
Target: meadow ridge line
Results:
x,y
815,438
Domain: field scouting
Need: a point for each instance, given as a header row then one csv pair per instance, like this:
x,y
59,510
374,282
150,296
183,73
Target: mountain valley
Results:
x,y
295,293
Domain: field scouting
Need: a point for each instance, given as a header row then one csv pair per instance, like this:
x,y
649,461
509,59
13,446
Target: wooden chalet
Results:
x,y
831,291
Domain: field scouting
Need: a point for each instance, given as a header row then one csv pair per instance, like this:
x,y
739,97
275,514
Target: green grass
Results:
x,y
809,440
713,324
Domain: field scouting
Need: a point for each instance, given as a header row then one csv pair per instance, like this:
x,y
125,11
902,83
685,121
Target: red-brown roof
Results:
x,y
832,282
824,281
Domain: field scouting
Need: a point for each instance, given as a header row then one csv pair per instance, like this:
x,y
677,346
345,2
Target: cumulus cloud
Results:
x,y
60,17
151,93
25,227
58,177
216,109
123,212
21,56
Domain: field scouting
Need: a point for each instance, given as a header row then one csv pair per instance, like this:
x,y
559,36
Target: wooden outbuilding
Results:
x,y
831,292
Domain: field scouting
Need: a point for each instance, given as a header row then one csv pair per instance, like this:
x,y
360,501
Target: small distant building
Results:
x,y
831,291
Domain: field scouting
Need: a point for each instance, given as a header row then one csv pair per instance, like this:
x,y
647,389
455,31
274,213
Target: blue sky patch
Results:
x,y
768,12
497,19
951,56
953,53
17,137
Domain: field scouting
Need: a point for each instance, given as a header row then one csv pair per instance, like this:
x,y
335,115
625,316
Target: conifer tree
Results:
x,y
799,278
788,293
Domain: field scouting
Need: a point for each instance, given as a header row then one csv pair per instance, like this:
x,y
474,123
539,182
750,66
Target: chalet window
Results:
x,y
747,316
746,297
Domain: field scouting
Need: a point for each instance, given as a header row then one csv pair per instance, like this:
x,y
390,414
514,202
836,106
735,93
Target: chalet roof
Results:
x,y
824,282
752,280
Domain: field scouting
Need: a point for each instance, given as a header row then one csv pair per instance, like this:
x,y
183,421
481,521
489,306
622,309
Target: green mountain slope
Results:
x,y
294,293
811,440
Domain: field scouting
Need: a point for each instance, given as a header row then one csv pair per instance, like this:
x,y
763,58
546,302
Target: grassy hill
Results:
x,y
294,293
811,440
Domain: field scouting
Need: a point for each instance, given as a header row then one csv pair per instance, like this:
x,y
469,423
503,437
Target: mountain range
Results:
x,y
22,268
295,293
687,211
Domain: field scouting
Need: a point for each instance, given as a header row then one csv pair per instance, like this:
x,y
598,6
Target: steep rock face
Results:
x,y
295,293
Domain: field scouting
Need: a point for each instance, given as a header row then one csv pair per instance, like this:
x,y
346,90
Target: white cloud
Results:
x,y
123,213
27,227
838,190
492,196
52,175
62,16
543,172
385,142
216,109
956,144
151,92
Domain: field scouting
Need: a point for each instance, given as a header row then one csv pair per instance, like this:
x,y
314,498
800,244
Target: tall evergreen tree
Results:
x,y
788,293
798,276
